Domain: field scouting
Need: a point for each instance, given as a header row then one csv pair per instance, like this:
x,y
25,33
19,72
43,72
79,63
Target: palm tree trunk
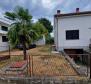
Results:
x,y
24,51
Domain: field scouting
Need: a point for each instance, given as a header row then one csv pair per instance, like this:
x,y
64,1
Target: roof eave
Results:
x,y
73,14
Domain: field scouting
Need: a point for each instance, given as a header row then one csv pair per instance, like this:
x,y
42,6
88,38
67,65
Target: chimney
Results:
x,y
77,10
58,11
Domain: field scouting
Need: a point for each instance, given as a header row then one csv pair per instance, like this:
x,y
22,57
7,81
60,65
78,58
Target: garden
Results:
x,y
42,63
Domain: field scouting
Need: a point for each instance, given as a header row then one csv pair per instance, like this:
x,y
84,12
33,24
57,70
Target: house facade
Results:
x,y
4,25
72,30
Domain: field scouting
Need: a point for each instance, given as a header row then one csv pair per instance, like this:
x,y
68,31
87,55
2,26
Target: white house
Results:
x,y
72,30
41,41
4,27
3,35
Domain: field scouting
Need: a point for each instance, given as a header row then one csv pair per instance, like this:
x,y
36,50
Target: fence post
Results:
x,y
9,50
31,65
27,64
88,65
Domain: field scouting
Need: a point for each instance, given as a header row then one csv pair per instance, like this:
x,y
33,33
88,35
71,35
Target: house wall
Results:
x,y
3,45
81,23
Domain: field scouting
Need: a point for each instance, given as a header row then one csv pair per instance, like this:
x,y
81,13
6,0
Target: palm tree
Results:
x,y
21,29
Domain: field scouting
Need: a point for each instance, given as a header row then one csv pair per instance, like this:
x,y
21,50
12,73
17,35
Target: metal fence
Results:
x,y
80,62
51,66
42,68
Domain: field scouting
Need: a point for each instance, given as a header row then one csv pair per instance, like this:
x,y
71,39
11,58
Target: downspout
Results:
x,y
57,34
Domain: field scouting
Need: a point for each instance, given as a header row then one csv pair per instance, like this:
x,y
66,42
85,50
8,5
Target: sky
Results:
x,y
45,8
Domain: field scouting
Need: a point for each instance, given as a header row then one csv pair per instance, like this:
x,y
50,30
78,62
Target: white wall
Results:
x,y
3,45
41,41
83,23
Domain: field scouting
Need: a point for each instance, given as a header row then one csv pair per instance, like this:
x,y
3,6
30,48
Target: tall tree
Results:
x,y
49,27
21,29
47,24
40,29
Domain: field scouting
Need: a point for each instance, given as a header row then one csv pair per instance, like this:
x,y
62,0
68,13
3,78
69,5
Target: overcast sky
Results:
x,y
45,8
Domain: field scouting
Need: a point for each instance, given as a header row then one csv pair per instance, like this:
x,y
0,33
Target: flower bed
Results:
x,y
18,64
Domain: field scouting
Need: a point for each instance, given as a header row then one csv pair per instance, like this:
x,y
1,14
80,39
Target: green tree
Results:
x,y
47,24
21,30
40,29
49,39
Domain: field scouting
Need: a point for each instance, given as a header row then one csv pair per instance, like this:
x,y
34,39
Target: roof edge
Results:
x,y
73,14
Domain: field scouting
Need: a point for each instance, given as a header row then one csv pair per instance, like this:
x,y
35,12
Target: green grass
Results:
x,y
16,58
4,63
46,48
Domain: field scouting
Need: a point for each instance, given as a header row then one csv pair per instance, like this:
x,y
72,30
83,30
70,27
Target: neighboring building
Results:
x,y
4,27
3,35
41,41
72,31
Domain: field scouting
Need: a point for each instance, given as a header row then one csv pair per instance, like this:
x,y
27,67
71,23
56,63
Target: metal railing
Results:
x,y
80,62
51,66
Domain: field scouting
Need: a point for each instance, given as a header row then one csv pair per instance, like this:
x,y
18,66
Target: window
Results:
x,y
4,28
72,34
4,39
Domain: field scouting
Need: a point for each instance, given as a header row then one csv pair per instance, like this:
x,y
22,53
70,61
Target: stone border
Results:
x,y
47,80
77,68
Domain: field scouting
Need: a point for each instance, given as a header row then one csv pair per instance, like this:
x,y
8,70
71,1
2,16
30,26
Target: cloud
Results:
x,y
34,2
34,20
45,8
51,4
87,8
1,13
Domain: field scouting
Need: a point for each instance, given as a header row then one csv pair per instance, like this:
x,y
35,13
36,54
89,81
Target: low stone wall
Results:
x,y
4,57
42,80
77,68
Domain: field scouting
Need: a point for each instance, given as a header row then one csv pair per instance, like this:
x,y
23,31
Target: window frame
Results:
x,y
4,27
71,35
4,39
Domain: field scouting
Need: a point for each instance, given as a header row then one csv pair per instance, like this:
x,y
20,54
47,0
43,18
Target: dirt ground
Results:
x,y
40,50
46,63
52,66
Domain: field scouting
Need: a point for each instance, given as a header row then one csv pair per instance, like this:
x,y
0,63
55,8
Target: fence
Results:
x,y
47,69
80,62
51,66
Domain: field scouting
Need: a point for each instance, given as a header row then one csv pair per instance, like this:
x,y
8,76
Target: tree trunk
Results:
x,y
24,51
